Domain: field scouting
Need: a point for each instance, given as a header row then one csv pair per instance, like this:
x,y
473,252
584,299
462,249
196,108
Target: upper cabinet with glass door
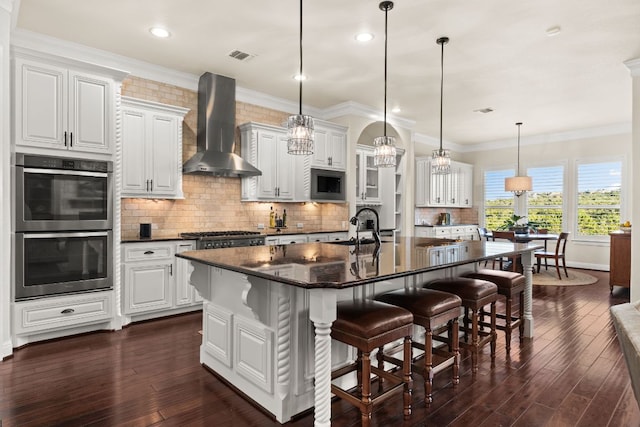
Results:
x,y
368,177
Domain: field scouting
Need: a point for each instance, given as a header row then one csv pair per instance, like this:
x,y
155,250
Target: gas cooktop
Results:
x,y
225,239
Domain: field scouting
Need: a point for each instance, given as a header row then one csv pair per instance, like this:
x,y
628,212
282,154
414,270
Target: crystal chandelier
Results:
x,y
518,184
441,158
384,154
300,132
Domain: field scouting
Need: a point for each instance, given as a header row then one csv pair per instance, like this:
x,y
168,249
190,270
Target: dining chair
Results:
x,y
556,255
515,259
483,233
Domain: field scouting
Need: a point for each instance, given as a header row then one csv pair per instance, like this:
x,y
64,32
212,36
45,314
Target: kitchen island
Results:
x,y
268,310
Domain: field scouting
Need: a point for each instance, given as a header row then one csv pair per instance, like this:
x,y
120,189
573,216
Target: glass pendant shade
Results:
x,y
384,155
300,134
441,162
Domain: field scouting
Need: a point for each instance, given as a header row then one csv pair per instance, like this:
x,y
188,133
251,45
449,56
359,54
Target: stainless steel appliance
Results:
x,y
225,239
62,262
63,220
54,193
328,185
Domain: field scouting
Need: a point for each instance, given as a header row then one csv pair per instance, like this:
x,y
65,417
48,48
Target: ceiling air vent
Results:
x,y
240,55
483,110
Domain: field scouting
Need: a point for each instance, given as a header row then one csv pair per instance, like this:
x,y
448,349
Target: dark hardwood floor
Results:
x,y
571,374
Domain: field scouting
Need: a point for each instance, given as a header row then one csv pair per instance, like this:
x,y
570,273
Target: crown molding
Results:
x,y
420,138
351,108
267,101
634,66
550,138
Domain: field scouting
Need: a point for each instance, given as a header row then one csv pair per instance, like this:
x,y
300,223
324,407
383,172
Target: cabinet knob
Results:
x,y
149,252
67,311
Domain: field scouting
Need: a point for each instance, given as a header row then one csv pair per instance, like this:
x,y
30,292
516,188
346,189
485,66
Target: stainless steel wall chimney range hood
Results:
x,y
216,127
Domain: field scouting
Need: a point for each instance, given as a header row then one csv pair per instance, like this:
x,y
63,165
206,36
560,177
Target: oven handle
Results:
x,y
67,172
70,234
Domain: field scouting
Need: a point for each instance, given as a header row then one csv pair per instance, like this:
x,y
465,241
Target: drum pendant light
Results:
x,y
518,184
300,133
384,154
441,159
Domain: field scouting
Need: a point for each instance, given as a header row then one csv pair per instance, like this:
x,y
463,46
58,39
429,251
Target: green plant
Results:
x,y
518,222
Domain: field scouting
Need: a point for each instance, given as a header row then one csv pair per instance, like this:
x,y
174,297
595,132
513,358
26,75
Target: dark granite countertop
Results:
x,y
328,265
269,232
441,225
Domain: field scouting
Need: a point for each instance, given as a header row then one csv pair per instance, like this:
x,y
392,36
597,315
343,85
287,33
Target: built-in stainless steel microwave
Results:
x,y
328,185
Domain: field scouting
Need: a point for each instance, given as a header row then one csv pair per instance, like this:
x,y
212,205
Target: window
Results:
x,y
545,201
498,204
599,189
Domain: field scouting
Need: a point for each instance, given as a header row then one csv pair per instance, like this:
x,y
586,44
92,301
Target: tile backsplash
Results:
x,y
458,215
213,203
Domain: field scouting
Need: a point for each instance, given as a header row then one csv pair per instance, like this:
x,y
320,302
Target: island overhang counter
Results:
x,y
268,310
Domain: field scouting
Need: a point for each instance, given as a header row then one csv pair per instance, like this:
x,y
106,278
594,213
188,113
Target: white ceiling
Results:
x,y
499,55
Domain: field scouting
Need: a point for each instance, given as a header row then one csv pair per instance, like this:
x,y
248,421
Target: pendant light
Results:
x,y
441,159
518,184
384,154
300,132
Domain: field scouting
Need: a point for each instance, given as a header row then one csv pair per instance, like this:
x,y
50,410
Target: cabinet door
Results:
x,y
338,150
285,169
266,150
465,184
163,131
320,158
40,104
148,287
89,110
438,186
371,179
422,182
184,291
134,178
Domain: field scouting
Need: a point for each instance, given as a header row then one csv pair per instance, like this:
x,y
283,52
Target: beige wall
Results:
x,y
579,253
213,203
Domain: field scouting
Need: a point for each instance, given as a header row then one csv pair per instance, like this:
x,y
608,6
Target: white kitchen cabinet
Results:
x,y
330,150
456,232
46,318
286,239
63,104
451,190
283,175
151,149
368,177
156,283
185,293
328,237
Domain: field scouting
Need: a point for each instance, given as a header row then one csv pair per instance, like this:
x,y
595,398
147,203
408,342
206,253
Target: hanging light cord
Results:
x,y
386,12
441,86
300,74
518,164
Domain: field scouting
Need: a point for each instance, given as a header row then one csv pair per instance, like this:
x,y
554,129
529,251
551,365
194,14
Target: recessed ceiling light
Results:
x,y
396,110
159,32
300,77
364,37
553,31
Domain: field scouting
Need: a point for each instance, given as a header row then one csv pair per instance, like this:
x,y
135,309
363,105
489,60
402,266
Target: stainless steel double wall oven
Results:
x,y
63,225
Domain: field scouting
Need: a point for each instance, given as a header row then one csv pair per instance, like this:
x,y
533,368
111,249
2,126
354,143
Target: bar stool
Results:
x,y
436,312
367,325
475,294
509,284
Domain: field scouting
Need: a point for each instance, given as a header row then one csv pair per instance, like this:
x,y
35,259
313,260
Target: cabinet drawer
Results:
x,y
146,251
442,232
62,312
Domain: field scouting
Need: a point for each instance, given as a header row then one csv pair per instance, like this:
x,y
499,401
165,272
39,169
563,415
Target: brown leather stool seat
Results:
x,y
509,284
436,312
368,325
475,294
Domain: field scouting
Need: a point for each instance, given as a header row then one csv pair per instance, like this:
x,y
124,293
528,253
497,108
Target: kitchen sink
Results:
x,y
353,242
